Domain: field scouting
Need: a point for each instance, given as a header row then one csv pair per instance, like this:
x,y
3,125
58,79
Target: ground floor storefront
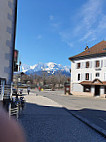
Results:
x,y
90,88
96,90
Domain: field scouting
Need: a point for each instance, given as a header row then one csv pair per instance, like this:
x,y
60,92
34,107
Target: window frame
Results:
x,y
78,65
98,74
96,63
88,64
86,87
86,76
79,77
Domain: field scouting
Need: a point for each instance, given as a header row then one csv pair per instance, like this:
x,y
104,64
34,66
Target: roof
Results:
x,y
94,82
94,50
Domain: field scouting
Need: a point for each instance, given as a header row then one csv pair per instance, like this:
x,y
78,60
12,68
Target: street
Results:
x,y
44,120
93,109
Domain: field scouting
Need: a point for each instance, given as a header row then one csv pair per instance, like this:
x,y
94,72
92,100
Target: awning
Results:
x,y
94,82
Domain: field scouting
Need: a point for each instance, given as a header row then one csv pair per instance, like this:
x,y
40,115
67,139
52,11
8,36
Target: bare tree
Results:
x,y
44,77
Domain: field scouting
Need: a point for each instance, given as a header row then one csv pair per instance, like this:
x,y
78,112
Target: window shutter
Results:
x,y
104,63
82,65
76,65
83,77
90,76
101,63
94,64
91,64
104,76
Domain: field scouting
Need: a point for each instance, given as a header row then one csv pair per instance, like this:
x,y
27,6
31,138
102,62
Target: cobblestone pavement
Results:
x,y
93,109
46,121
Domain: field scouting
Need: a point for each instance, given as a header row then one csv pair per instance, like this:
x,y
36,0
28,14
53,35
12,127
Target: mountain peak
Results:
x,y
49,67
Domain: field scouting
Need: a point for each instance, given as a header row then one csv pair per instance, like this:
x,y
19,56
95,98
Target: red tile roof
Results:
x,y
96,49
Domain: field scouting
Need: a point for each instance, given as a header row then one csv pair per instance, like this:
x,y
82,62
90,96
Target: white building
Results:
x,y
88,71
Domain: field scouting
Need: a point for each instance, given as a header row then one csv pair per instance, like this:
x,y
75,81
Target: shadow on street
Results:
x,y
54,124
91,115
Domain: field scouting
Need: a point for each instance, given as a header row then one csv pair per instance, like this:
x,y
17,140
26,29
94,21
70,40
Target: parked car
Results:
x,y
20,91
14,91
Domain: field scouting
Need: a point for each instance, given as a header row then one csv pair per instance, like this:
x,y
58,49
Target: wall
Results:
x,y
7,22
92,72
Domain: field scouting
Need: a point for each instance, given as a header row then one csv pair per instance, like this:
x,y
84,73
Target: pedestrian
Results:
x,y
28,90
39,88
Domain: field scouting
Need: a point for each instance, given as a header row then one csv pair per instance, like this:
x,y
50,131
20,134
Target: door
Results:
x,y
97,90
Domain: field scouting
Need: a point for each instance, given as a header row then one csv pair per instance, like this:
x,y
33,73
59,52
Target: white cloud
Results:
x,y
51,17
55,25
90,12
92,20
65,36
90,23
86,35
39,36
102,23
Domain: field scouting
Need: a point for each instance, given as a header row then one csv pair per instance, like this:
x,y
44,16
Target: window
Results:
x,y
87,76
79,77
97,64
87,64
87,88
78,65
104,76
97,74
104,48
104,63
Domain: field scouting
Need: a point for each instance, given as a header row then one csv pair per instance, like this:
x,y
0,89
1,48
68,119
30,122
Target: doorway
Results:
x,y
97,90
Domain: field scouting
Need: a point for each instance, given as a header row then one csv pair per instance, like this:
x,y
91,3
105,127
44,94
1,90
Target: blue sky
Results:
x,y
54,30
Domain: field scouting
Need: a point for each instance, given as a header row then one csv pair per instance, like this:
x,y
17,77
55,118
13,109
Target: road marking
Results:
x,y
102,119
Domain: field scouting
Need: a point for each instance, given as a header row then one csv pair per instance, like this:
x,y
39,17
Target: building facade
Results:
x,y
88,71
8,17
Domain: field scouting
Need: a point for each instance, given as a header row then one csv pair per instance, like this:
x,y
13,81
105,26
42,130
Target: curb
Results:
x,y
87,122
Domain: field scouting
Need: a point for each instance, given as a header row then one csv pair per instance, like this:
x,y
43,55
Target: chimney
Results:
x,y
86,48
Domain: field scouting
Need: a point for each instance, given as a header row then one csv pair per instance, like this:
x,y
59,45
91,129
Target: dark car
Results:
x,y
20,91
14,91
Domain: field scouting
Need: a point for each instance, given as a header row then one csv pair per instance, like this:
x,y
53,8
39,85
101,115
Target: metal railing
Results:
x,y
7,91
13,104
13,110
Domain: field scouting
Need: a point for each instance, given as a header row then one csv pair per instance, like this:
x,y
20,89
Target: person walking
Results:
x,y
28,90
39,88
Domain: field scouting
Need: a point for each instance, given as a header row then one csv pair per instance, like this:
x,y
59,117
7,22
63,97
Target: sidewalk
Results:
x,y
45,120
39,100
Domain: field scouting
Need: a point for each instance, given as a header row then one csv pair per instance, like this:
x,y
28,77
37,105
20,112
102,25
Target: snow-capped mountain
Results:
x,y
50,68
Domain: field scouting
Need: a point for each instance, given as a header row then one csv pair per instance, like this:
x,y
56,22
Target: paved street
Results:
x,y
44,120
92,109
